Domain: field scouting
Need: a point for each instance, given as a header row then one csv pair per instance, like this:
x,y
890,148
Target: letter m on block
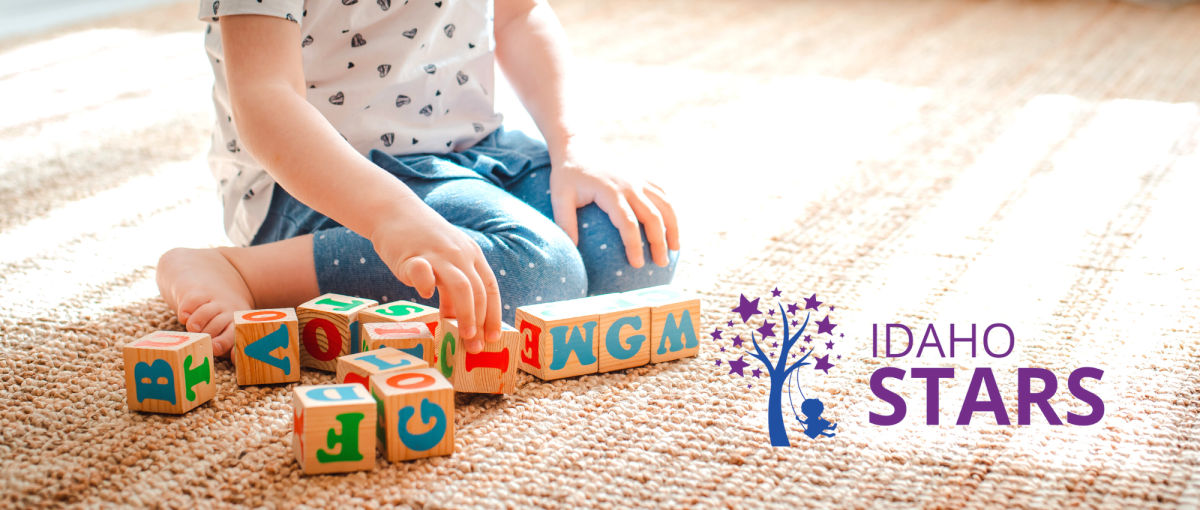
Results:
x,y
681,334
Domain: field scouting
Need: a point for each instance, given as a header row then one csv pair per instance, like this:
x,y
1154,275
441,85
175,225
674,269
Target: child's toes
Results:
x,y
188,305
223,341
200,318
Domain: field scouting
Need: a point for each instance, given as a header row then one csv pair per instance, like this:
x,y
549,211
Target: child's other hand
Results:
x,y
583,174
426,252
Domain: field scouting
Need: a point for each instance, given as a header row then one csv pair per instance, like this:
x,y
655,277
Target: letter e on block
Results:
x,y
266,346
558,340
329,329
333,428
169,372
674,321
416,417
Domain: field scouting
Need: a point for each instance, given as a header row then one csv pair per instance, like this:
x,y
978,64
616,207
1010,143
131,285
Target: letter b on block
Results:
x,y
169,372
266,346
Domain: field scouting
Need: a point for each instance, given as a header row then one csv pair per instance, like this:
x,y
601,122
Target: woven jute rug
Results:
x,y
917,162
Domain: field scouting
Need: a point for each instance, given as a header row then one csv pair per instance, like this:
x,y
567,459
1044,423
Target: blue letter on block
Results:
x,y
673,332
426,441
355,345
417,352
261,349
613,338
344,393
151,388
383,365
581,344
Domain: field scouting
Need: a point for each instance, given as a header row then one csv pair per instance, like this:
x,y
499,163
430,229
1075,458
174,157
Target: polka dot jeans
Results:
x,y
498,193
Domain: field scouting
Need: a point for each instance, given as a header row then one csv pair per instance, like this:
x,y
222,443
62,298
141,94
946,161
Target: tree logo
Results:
x,y
779,372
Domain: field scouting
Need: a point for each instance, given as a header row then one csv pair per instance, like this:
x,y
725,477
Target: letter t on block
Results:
x,y
333,428
169,372
266,346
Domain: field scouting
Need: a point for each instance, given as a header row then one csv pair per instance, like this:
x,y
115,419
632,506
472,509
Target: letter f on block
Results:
x,y
348,439
262,348
685,330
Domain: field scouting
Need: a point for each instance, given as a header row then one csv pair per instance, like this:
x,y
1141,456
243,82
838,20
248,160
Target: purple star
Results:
x,y
730,324
738,365
829,344
756,373
774,344
839,356
737,341
794,324
831,308
776,292
792,309
822,364
811,303
808,338
771,312
716,334
824,326
722,348
747,308
843,335
802,349
749,386
718,363
767,329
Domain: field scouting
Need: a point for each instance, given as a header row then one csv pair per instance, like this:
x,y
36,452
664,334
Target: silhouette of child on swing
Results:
x,y
814,426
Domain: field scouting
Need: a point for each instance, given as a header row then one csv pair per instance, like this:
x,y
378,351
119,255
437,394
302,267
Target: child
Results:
x,y
357,152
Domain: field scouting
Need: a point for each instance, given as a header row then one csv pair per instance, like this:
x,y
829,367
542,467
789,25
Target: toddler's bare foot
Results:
x,y
204,289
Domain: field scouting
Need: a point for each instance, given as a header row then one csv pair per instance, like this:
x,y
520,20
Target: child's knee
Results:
x,y
539,269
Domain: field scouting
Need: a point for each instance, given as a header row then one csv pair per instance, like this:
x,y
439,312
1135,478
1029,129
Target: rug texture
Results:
x,y
1035,163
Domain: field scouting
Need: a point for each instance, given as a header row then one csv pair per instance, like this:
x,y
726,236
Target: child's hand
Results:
x,y
583,175
425,251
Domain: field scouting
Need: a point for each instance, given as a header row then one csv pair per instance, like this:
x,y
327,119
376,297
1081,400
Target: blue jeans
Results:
x,y
498,193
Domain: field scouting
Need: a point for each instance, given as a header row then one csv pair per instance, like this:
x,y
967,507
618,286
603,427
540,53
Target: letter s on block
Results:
x,y
886,395
1089,398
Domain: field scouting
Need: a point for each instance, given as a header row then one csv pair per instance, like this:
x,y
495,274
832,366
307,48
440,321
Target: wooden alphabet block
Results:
x,y
492,370
558,339
404,311
333,428
416,417
266,346
623,333
414,338
358,368
169,372
329,329
674,321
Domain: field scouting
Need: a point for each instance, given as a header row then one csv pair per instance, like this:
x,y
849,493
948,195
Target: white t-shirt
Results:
x,y
401,76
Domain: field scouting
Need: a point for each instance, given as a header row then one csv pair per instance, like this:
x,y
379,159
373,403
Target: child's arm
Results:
x,y
533,50
308,157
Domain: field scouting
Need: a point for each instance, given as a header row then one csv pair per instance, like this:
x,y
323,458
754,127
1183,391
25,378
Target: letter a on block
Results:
x,y
266,346
261,350
335,426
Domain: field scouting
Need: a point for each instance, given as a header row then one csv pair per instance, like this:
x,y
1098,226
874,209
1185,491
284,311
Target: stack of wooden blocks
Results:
x,y
398,365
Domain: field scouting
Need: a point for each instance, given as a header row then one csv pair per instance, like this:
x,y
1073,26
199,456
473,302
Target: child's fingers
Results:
x,y
670,220
418,274
656,232
223,341
491,323
565,214
626,221
479,299
456,288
